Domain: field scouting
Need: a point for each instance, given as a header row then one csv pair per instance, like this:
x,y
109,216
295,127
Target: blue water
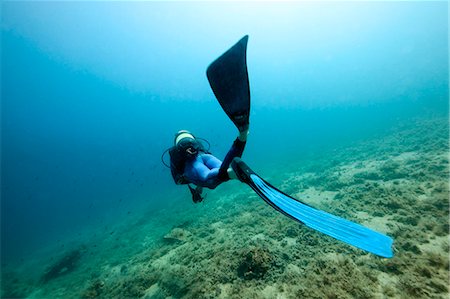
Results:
x,y
92,93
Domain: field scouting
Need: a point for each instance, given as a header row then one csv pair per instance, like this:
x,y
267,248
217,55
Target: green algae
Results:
x,y
254,263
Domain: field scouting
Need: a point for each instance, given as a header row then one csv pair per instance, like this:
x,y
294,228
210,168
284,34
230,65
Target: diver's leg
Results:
x,y
199,174
236,150
231,174
211,161
241,140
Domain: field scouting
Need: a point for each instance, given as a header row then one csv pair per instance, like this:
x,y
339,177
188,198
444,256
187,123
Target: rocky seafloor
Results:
x,y
233,245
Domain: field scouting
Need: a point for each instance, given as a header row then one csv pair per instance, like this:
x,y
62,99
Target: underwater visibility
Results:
x,y
225,150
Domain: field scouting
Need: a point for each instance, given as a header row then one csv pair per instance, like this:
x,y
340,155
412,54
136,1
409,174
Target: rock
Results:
x,y
177,235
254,263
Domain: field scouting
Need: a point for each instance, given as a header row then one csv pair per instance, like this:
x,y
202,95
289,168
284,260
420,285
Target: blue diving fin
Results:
x,y
334,226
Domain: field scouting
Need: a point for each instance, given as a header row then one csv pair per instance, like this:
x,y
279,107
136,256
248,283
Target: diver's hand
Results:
x,y
196,193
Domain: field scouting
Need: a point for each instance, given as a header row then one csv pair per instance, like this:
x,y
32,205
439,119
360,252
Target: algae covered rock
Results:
x,y
254,263
177,235
65,264
94,290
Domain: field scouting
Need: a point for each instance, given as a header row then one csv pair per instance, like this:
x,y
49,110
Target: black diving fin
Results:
x,y
228,78
334,226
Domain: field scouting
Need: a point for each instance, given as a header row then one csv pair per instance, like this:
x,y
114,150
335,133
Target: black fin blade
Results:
x,y
228,78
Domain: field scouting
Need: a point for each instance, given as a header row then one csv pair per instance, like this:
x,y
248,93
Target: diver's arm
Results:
x,y
196,193
198,189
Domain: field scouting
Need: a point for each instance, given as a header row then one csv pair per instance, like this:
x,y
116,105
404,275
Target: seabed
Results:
x,y
234,245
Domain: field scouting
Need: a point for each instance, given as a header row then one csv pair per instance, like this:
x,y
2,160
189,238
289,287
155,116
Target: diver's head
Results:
x,y
182,135
187,143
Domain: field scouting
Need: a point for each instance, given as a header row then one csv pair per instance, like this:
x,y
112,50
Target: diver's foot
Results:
x,y
243,134
243,126
231,174
237,166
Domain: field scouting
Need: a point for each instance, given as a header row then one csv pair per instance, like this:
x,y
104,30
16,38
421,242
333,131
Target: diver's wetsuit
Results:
x,y
206,170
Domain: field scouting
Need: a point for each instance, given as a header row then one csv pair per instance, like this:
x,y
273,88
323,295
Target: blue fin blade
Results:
x,y
334,226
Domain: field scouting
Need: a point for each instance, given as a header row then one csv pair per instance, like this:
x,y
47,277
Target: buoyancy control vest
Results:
x,y
184,151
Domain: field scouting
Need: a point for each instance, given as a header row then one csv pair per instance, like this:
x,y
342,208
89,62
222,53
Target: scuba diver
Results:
x,y
192,164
